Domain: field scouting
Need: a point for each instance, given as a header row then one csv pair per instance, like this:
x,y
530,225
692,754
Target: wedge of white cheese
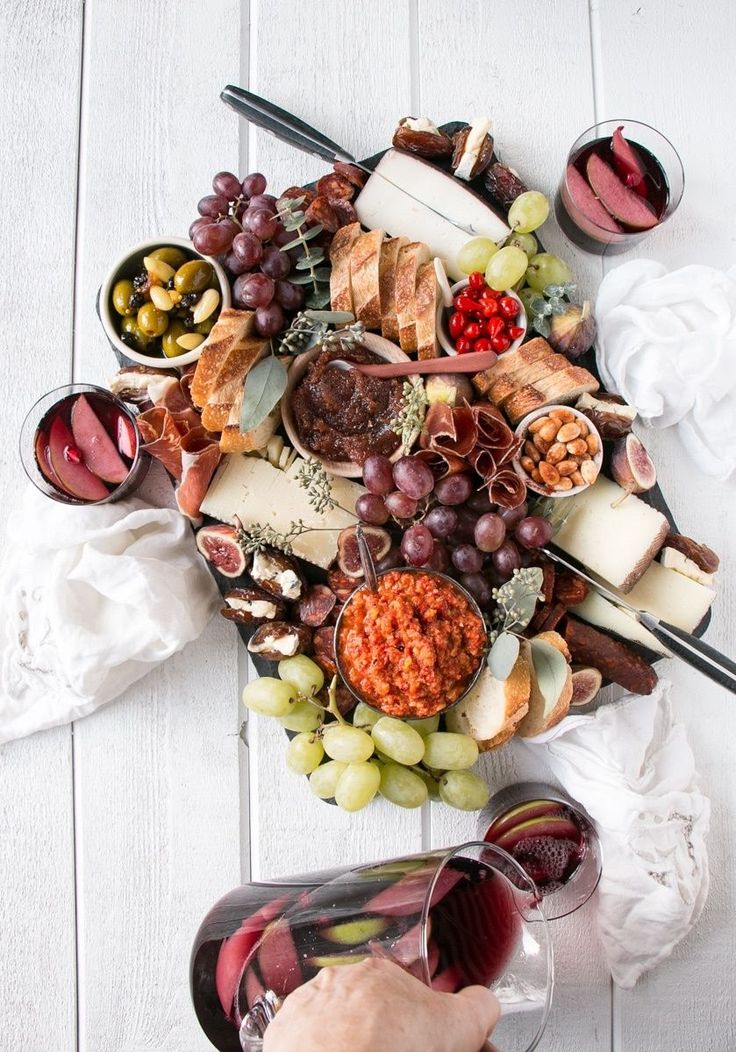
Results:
x,y
675,560
616,540
671,596
252,490
409,196
600,612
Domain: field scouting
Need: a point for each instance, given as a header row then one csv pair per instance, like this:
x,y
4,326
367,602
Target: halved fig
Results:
x,y
624,204
628,162
586,682
278,960
92,440
219,545
521,813
77,480
348,553
556,826
584,198
43,459
631,465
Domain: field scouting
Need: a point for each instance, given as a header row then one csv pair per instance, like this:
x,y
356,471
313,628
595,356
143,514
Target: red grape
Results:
x,y
248,248
453,489
533,532
401,506
506,559
479,501
253,290
417,545
234,266
260,222
270,319
213,205
198,224
378,474
413,477
467,559
441,521
291,297
370,508
226,185
439,559
254,184
267,201
490,532
275,263
282,236
513,515
466,520
391,559
213,240
478,587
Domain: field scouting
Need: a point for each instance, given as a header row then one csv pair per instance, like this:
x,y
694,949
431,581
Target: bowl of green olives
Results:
x,y
160,301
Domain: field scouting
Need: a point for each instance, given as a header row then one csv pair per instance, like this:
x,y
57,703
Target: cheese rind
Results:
x,y
252,490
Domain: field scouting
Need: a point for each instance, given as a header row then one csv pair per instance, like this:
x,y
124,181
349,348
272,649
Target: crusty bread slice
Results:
x,y
512,362
411,258
563,385
523,401
229,384
365,259
232,327
233,440
492,705
508,731
387,286
427,302
341,296
529,374
540,716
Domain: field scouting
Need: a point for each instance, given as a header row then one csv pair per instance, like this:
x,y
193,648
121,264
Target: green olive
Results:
x,y
193,276
169,345
205,326
134,335
121,294
175,257
152,321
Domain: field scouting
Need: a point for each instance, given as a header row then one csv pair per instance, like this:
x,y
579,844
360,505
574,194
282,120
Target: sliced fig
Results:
x,y
277,959
127,437
316,605
628,162
219,545
555,826
584,199
586,682
348,554
43,459
624,204
631,465
92,440
521,813
66,461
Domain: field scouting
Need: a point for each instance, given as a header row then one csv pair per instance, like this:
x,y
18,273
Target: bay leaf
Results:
x,y
264,386
502,655
550,670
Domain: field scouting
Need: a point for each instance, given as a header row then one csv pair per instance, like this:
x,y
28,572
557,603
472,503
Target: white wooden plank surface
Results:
x,y
38,164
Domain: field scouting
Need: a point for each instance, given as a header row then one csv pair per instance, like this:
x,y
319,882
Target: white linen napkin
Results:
x,y
92,598
667,344
632,769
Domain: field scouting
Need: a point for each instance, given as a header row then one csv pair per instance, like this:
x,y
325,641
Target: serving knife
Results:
x,y
688,648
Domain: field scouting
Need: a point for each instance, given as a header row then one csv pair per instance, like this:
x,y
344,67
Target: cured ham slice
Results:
x,y
200,455
506,489
449,429
162,438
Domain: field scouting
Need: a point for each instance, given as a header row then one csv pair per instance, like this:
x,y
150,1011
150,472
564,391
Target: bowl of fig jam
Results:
x,y
339,416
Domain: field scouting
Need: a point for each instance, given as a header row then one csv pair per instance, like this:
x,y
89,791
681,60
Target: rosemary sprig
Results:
x,y
408,423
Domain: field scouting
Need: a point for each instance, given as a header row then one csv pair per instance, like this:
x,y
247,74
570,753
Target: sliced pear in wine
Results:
x,y
624,204
628,162
278,961
74,477
237,949
127,437
43,459
95,445
335,960
550,825
521,813
253,987
586,201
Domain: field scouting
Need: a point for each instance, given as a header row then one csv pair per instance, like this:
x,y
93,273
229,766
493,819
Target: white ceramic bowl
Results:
x,y
443,313
521,431
124,267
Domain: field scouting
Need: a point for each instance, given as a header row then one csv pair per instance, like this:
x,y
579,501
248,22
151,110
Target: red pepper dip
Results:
x,y
411,647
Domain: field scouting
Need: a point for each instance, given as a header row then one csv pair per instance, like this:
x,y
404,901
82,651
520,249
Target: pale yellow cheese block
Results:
x,y
671,596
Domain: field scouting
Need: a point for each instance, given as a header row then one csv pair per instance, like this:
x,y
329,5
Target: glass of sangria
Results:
x,y
622,179
551,837
79,444
452,918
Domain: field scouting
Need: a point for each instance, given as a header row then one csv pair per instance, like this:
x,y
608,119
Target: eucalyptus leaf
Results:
x,y
550,671
264,386
558,306
314,231
307,262
287,204
300,279
540,324
569,289
319,298
331,317
502,655
553,291
293,221
537,304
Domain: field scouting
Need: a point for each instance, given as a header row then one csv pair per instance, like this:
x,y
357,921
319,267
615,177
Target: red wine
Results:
x,y
652,186
545,838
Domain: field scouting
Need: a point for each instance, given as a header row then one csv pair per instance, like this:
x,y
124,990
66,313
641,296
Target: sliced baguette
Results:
x,y
512,362
341,296
529,374
232,327
427,301
387,286
542,716
365,259
563,385
411,258
233,440
493,706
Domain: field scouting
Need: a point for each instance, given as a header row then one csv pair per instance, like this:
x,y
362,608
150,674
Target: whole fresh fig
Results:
x,y
573,332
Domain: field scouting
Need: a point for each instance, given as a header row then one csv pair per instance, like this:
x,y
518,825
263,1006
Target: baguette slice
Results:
x,y
387,286
529,374
232,327
564,385
411,258
512,362
542,716
341,296
233,440
365,259
493,707
427,300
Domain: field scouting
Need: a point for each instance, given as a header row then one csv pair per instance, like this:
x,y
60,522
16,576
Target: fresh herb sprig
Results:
x,y
408,422
516,601
541,306
308,263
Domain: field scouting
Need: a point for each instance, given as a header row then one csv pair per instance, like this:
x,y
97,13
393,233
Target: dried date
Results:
x,y
703,556
570,590
352,173
321,211
429,142
482,158
503,184
334,185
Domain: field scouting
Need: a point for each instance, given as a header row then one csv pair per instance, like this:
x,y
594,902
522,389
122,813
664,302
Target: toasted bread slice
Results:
x,y
493,705
529,374
563,385
508,731
233,440
387,286
230,329
523,401
427,302
365,259
541,715
341,296
411,258
512,362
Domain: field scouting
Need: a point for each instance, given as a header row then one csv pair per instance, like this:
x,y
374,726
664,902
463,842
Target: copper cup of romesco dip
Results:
x,y
414,647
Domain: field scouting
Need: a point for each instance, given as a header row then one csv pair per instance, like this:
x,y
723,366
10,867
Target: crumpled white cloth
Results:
x,y
667,344
630,765
91,599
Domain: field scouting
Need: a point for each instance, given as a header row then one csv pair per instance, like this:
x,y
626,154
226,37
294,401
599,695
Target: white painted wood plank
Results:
x,y
37,164
679,89
157,779
470,65
349,75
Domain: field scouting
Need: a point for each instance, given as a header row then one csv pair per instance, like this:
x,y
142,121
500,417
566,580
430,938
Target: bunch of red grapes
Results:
x,y
450,525
239,223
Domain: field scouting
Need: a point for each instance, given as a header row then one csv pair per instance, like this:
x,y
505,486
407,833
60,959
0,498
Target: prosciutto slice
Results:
x,y
200,455
506,489
450,429
442,463
162,435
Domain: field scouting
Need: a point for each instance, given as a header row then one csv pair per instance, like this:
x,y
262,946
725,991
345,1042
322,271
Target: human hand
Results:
x,y
376,1004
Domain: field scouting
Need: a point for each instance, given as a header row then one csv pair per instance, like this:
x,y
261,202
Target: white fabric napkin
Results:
x,y
632,769
91,599
667,344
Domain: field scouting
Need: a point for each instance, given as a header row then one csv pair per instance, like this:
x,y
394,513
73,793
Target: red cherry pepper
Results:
x,y
489,309
500,344
472,330
463,345
483,344
495,326
509,306
457,323
515,331
477,280
466,304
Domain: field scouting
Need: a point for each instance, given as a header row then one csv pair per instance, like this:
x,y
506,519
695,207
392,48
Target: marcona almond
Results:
x,y
592,444
537,424
563,484
528,464
568,432
549,473
589,471
536,477
565,416
542,444
549,431
531,451
578,447
556,452
577,479
566,467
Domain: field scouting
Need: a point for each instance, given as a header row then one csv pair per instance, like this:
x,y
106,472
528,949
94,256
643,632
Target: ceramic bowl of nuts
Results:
x,y
561,451
160,300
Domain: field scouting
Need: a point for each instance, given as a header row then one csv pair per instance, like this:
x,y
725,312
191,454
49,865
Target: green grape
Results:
x,y
475,254
348,744
303,673
269,696
445,751
464,790
323,781
304,716
365,717
304,753
546,269
526,242
424,727
433,787
402,786
506,268
528,212
357,786
398,741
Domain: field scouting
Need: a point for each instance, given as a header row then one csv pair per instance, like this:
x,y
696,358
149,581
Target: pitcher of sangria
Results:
x,y
452,918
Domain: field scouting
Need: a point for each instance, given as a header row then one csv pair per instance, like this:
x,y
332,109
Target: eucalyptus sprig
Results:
x,y
309,262
515,604
408,422
312,327
540,306
313,477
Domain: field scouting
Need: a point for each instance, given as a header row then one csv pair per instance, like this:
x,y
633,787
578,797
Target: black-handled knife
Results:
x,y
688,648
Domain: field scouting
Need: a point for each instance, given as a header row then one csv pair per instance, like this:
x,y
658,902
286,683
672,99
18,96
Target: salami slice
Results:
x,y
316,605
613,658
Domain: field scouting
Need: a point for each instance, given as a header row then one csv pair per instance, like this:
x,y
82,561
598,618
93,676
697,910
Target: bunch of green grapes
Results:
x,y
405,761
